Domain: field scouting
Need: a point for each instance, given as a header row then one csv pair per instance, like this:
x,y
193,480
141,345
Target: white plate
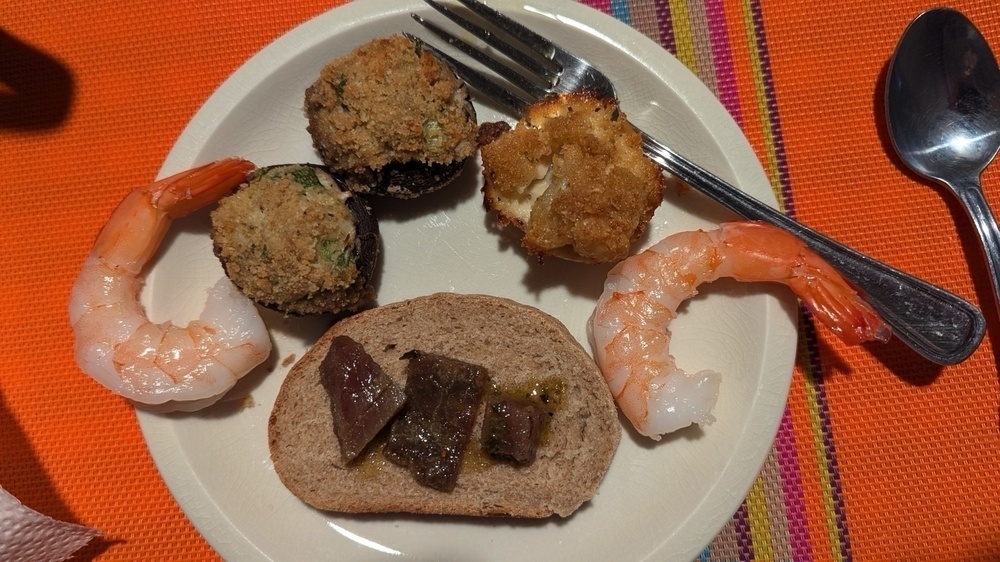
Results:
x,y
662,501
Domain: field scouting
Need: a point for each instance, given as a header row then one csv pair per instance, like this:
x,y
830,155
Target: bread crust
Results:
x,y
517,344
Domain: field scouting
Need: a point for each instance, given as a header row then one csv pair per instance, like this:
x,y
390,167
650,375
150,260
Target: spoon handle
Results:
x,y
938,325
971,194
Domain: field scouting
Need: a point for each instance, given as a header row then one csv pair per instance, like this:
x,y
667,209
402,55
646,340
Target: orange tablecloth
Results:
x,y
881,456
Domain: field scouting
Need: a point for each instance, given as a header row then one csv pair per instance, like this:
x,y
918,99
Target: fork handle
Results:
x,y
937,324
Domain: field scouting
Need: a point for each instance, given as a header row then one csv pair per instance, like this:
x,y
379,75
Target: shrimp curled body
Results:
x,y
116,344
628,328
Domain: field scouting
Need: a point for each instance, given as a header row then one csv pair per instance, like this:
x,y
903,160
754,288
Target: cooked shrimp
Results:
x,y
628,328
118,345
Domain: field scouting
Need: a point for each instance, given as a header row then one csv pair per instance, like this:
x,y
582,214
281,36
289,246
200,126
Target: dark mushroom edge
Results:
x,y
271,233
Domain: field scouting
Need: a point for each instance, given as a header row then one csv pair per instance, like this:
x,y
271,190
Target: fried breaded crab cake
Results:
x,y
392,119
294,240
572,175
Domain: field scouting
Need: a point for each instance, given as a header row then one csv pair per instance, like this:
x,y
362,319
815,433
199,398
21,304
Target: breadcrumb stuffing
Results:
x,y
288,240
388,101
572,175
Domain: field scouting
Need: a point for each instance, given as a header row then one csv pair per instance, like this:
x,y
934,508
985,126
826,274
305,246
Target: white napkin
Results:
x,y
26,534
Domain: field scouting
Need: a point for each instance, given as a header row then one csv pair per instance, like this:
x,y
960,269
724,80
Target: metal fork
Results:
x,y
935,323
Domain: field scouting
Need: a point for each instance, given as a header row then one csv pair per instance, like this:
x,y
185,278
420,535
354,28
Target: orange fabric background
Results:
x,y
916,445
139,70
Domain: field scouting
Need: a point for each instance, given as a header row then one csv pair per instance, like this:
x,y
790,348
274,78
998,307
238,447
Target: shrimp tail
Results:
x,y
138,225
183,193
838,306
760,252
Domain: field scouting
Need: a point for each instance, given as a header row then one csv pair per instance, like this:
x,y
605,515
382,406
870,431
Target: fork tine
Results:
x,y
532,40
486,60
542,67
510,101
572,73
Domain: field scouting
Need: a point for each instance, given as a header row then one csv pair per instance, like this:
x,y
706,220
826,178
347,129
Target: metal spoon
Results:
x,y
943,108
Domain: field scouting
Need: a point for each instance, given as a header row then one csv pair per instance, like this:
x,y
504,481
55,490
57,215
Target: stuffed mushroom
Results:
x,y
294,240
391,118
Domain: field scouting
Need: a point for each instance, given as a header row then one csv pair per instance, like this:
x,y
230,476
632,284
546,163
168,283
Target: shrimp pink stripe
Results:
x,y
722,60
791,487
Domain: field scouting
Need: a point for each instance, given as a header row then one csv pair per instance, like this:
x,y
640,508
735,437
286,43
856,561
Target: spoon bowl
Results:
x,y
943,111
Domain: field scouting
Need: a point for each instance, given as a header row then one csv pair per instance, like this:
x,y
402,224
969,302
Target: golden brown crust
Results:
x,y
572,175
516,344
388,101
294,240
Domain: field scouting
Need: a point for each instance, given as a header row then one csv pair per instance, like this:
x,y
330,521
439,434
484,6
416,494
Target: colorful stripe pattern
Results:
x,y
795,509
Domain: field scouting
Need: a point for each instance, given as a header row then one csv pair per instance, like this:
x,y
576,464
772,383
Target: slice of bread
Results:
x,y
519,345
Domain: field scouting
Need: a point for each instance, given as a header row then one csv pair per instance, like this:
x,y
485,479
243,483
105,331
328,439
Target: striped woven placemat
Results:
x,y
879,456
